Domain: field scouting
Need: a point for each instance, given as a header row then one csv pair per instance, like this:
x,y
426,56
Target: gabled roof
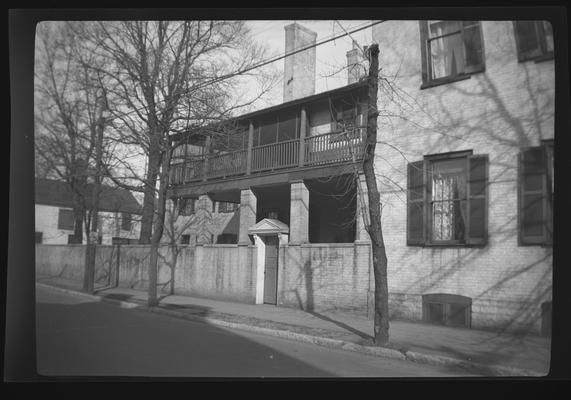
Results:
x,y
58,193
268,226
233,226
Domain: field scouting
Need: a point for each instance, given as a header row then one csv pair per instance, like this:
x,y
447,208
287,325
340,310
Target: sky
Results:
x,y
330,57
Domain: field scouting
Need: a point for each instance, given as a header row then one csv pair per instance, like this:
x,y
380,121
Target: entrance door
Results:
x,y
271,270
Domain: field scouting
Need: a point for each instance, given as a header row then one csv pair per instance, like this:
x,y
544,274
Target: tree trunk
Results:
x,y
381,323
89,273
158,227
149,195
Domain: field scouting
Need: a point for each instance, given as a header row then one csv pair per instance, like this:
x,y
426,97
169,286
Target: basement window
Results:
x,y
447,309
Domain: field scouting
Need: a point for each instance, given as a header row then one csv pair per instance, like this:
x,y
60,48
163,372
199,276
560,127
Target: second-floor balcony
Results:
x,y
317,150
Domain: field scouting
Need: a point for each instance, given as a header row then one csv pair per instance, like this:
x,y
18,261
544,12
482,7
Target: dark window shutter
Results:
x,y
532,200
416,204
423,25
477,194
473,46
527,40
66,220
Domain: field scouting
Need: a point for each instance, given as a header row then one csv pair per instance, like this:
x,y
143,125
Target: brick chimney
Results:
x,y
299,68
355,66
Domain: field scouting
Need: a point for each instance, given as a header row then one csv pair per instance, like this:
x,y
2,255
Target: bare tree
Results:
x,y
166,77
68,116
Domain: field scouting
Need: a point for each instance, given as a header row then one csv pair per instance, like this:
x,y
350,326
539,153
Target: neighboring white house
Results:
x,y
119,216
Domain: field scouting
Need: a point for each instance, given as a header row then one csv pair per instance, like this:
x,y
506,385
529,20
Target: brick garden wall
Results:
x,y
324,277
214,271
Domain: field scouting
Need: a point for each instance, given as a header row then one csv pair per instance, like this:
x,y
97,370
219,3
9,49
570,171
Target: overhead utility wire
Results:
x,y
264,63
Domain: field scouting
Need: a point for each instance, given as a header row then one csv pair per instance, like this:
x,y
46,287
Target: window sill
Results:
x,y
539,59
447,245
444,81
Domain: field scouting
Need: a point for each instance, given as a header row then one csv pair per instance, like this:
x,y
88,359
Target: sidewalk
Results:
x,y
481,352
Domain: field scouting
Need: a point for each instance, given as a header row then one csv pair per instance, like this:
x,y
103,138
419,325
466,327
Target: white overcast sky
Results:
x,y
330,57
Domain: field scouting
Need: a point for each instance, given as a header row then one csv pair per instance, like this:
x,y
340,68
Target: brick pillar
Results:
x,y
299,213
248,205
361,234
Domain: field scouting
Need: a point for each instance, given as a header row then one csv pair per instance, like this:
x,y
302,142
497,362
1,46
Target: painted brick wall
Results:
x,y
213,271
509,106
324,277
223,272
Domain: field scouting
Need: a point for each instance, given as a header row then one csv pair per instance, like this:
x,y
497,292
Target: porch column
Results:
x,y
302,134
299,213
206,156
248,205
250,145
361,234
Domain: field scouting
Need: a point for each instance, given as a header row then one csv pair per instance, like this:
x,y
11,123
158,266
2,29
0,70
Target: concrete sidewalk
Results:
x,y
482,352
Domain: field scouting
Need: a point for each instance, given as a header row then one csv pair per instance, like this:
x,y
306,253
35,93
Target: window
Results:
x,y
39,237
119,240
66,220
451,50
186,206
227,238
536,177
185,239
447,200
126,221
227,207
447,309
72,239
534,40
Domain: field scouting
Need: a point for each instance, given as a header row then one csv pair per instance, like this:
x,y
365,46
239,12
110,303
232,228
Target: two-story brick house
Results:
x,y
464,166
467,212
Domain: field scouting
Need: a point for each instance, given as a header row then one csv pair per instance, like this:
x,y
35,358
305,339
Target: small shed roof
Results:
x,y
268,226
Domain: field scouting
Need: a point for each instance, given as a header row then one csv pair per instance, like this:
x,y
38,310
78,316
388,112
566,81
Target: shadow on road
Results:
x,y
98,339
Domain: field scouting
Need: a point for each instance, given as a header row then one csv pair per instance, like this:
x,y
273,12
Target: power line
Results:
x,y
264,63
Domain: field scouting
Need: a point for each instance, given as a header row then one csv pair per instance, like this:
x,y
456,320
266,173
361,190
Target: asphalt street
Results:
x,y
77,336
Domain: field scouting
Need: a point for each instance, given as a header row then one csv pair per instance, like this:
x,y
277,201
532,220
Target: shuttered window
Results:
x,y
447,200
534,40
126,221
186,206
66,220
536,195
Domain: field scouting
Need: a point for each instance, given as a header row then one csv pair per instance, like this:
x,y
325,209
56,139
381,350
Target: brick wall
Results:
x,y
324,277
225,272
213,271
496,112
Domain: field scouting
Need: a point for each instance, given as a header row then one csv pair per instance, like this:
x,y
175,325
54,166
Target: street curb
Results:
x,y
420,358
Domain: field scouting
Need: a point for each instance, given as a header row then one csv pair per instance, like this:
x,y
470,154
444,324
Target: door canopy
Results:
x,y
268,226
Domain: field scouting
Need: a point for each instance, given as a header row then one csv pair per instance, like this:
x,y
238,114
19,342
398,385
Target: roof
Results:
x,y
268,226
233,225
296,102
58,193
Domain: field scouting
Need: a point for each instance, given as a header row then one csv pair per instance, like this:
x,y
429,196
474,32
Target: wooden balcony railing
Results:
x,y
275,155
328,148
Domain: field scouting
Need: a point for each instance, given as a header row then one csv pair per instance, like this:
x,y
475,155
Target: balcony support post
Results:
x,y
206,154
250,145
248,210
299,213
302,134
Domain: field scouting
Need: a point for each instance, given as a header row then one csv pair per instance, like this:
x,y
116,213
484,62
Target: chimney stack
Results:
x,y
355,67
299,68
